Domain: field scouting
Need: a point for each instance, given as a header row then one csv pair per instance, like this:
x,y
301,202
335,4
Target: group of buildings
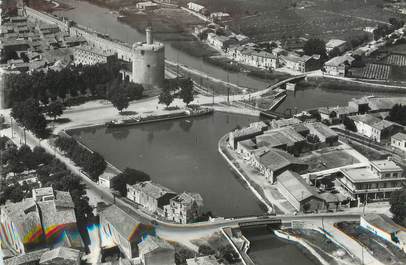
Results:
x,y
41,230
274,150
181,208
138,241
36,41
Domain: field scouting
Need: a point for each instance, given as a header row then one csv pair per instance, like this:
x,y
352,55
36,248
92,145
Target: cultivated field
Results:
x,y
376,71
275,19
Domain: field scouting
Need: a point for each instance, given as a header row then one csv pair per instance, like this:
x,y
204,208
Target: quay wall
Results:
x,y
47,18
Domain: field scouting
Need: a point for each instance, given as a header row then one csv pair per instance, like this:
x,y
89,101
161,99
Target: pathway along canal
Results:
x,y
101,20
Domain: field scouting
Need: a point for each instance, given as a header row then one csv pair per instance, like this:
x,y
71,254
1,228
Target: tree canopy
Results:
x,y
315,46
128,176
398,206
398,114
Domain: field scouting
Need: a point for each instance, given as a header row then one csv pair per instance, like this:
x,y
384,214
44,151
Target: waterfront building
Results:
x,y
375,128
338,66
384,227
61,255
155,251
332,44
399,141
252,56
299,63
303,197
184,208
273,162
242,134
151,196
88,55
285,138
118,228
323,132
205,260
360,105
375,182
246,148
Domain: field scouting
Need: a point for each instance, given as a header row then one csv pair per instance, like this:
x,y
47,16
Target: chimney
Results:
x,y
149,38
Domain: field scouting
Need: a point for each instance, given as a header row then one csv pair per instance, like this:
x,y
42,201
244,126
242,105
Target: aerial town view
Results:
x,y
201,132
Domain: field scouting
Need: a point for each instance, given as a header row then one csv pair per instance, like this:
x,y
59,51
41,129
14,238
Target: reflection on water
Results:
x,y
182,155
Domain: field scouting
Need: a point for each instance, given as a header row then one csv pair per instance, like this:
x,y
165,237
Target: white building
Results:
x,y
374,128
399,141
338,66
341,45
220,16
375,183
184,208
195,7
148,5
249,55
220,42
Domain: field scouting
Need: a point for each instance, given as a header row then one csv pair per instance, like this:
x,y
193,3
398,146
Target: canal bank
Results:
x,y
181,155
309,97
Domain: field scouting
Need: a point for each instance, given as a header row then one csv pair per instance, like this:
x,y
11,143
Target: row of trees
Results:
x,y
91,162
177,88
73,80
398,114
398,206
121,93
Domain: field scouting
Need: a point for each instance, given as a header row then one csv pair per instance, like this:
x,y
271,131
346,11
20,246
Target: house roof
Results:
x,y
339,60
154,190
276,159
187,198
372,121
399,136
320,129
27,258
334,43
279,137
126,225
60,253
246,132
385,165
152,243
383,222
297,186
284,122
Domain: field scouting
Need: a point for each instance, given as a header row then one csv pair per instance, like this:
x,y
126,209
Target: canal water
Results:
x,y
103,21
182,155
268,249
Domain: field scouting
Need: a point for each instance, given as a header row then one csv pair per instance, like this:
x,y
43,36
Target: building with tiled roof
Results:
x,y
275,161
26,258
118,228
303,197
61,256
398,141
323,132
184,208
375,128
155,251
152,196
48,222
